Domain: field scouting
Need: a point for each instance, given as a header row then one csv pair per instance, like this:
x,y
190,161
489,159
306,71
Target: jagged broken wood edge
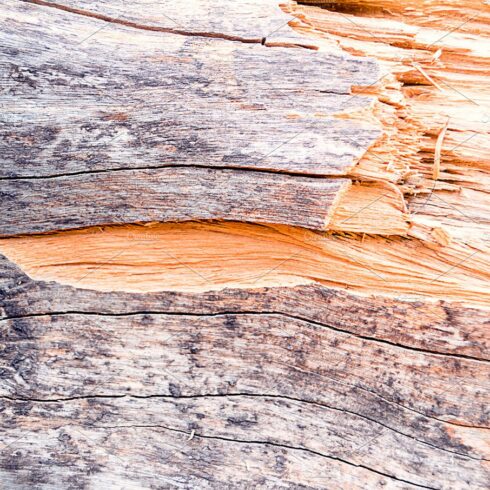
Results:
x,y
160,103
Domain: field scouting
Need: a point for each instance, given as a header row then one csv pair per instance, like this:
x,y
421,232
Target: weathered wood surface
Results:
x,y
284,387
250,21
439,327
127,98
249,379
168,100
172,194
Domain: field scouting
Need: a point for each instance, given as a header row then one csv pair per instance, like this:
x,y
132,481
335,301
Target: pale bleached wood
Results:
x,y
289,429
138,457
251,21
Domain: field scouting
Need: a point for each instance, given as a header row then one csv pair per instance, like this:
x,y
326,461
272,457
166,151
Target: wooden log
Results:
x,y
150,350
311,373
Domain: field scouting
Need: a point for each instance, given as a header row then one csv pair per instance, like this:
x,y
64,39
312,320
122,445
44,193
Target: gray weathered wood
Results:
x,y
245,378
406,397
439,327
153,436
172,194
163,99
252,21
55,355
160,111
74,457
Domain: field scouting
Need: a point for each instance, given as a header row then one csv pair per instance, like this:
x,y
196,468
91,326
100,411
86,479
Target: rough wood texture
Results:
x,y
173,194
434,102
172,100
444,327
203,376
353,361
162,99
201,257
250,21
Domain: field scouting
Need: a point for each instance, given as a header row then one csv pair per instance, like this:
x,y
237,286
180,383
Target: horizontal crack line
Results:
x,y
252,313
267,443
262,40
239,395
179,166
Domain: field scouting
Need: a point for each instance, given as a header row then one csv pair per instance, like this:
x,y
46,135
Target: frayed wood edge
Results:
x,y
427,76
436,169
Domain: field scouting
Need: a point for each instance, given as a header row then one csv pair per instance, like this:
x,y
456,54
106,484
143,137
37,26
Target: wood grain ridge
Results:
x,y
172,194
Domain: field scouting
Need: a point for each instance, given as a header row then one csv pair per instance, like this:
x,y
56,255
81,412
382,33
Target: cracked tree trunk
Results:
x,y
244,246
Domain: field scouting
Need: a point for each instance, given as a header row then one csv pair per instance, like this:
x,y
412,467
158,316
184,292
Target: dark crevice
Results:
x,y
240,395
269,443
255,313
168,30
170,166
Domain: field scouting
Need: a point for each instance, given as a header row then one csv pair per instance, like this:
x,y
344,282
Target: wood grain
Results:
x,y
296,441
251,21
156,99
190,110
370,387
287,374
157,457
211,256
440,327
173,194
58,357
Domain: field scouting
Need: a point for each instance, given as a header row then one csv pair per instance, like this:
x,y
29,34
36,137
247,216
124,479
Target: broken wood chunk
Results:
x,y
244,244
168,100
171,194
